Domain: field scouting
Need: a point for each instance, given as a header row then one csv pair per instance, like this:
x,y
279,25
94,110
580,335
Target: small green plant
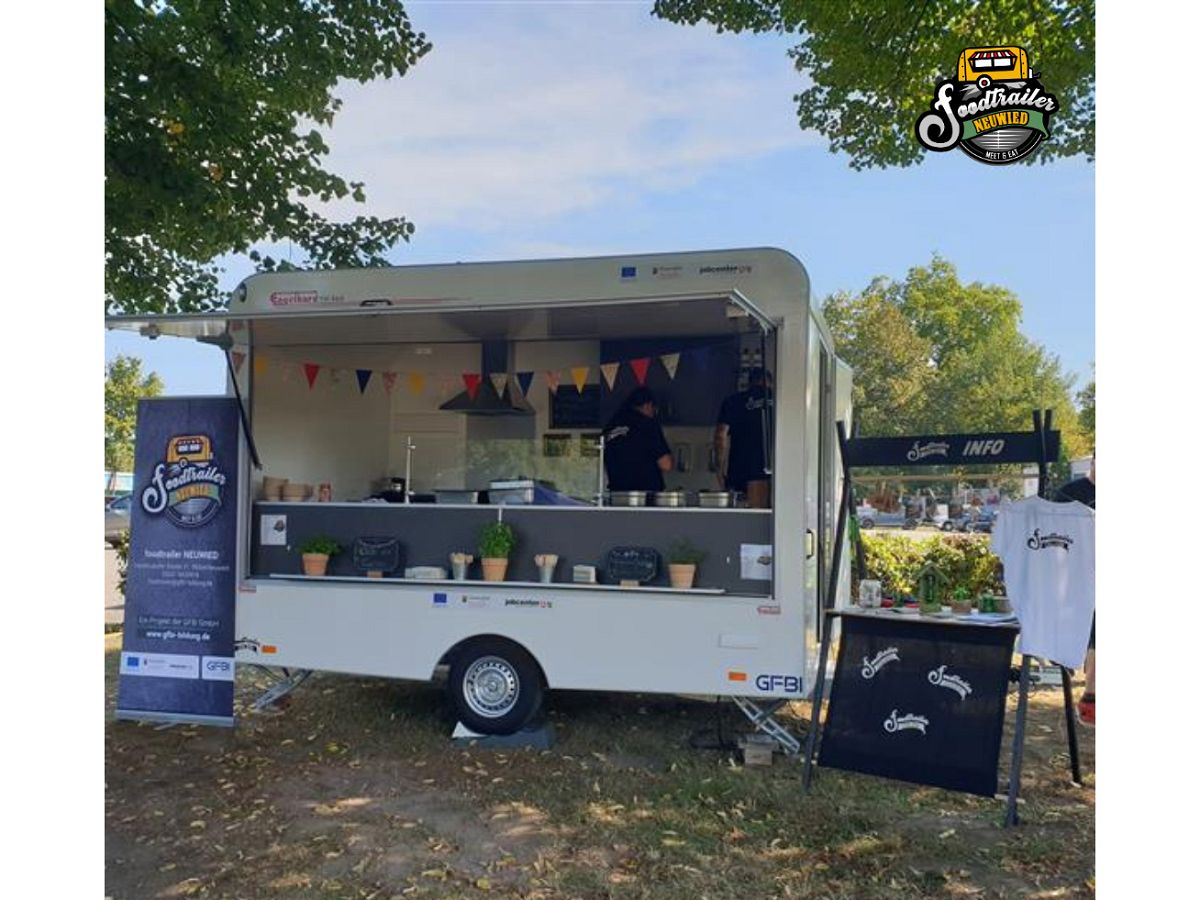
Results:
x,y
961,594
987,603
496,540
321,544
684,553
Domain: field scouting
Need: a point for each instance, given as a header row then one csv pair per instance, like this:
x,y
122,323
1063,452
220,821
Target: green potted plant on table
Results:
x,y
682,559
960,601
496,543
315,553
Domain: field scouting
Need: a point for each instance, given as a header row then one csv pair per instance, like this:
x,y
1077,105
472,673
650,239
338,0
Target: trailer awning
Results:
x,y
590,320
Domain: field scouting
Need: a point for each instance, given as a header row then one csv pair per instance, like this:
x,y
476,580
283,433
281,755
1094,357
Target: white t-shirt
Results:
x,y
1049,555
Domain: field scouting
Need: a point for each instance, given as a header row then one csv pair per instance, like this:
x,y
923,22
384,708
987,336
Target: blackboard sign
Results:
x,y
920,701
376,554
632,563
951,449
571,409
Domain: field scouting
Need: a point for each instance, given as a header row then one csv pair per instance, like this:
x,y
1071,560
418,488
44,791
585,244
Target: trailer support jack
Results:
x,y
763,719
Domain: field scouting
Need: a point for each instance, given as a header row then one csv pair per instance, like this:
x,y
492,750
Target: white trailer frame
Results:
x,y
582,637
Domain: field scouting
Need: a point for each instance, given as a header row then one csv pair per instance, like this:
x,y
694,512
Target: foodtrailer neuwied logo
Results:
x,y
186,486
996,110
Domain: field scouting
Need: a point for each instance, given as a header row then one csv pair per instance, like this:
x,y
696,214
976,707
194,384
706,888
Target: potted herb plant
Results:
x,y
496,542
315,553
960,601
682,559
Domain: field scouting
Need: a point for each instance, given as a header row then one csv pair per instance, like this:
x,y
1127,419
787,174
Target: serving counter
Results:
x,y
580,535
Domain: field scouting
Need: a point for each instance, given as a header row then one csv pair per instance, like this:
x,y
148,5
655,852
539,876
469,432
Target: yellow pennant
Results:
x,y
579,375
416,383
260,364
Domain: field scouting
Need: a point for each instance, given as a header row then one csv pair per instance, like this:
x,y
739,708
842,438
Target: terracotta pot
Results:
x,y
494,568
273,487
960,608
315,563
683,575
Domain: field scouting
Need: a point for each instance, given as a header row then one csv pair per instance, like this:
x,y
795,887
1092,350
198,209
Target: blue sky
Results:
x,y
537,130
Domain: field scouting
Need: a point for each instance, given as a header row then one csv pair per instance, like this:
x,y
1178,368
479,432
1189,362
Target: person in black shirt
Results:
x,y
1084,491
636,453
742,426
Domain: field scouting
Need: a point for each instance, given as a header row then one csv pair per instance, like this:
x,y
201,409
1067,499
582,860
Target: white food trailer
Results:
x,y
353,377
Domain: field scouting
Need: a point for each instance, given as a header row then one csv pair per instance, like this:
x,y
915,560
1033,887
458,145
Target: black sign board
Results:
x,y
632,563
376,554
920,701
570,408
951,449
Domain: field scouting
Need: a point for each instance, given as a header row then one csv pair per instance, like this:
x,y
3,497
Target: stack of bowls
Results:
x,y
294,491
273,487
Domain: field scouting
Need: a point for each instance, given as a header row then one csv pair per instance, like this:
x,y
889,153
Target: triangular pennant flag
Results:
x,y
579,375
289,373
552,380
640,368
609,371
670,362
445,384
335,375
525,379
499,382
389,381
260,364
416,383
236,326
363,375
471,380
238,358
310,372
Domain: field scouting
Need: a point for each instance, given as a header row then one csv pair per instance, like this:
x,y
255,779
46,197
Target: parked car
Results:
x,y
887,520
116,518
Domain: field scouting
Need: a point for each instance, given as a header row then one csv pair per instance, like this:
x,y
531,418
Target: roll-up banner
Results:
x,y
177,654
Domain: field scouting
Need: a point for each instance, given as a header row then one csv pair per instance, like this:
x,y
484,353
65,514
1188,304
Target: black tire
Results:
x,y
910,524
866,524
947,525
495,686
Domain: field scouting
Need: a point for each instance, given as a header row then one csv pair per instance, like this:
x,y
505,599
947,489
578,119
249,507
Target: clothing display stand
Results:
x,y
1037,446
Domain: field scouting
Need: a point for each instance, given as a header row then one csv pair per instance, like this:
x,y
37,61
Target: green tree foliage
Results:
x,y
871,66
124,385
965,559
1086,399
211,144
931,354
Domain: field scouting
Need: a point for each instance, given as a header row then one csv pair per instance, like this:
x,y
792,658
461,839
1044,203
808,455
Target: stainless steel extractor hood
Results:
x,y
495,358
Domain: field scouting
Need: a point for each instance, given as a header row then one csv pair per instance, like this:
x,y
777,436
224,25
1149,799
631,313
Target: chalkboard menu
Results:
x,y
920,701
570,408
376,554
632,563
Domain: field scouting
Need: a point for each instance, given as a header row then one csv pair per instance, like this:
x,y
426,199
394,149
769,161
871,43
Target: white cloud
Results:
x,y
526,112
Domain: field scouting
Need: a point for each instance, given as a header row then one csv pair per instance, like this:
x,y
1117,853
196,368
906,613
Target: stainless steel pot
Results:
x,y
717,499
627,498
670,498
454,496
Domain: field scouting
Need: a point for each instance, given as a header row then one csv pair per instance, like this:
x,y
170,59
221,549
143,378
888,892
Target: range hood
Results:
x,y
495,358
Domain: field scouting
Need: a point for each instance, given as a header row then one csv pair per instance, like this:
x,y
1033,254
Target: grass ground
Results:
x,y
353,791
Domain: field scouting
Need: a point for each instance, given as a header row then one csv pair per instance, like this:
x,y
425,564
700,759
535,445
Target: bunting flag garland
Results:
x,y
609,371
238,358
290,373
310,372
363,376
640,368
416,383
525,379
670,362
389,381
499,382
445,384
552,380
471,380
260,365
579,375
335,374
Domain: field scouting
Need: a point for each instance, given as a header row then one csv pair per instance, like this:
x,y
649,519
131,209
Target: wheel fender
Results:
x,y
448,657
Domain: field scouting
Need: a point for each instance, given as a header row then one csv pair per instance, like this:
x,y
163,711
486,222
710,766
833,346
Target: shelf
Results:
x,y
521,507
499,585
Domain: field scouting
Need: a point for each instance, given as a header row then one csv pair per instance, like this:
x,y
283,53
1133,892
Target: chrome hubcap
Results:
x,y
491,687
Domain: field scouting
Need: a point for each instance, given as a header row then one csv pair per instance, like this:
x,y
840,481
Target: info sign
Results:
x,y
177,655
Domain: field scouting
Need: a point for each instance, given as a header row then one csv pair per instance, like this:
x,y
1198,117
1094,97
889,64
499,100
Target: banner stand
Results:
x,y
1037,446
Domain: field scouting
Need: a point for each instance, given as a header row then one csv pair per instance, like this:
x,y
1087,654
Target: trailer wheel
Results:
x,y
495,685
866,523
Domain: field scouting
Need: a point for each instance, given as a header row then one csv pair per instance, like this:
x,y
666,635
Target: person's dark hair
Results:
x,y
639,397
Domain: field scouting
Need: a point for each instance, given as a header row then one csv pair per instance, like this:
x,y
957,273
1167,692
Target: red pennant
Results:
x,y
310,372
471,380
238,359
640,368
